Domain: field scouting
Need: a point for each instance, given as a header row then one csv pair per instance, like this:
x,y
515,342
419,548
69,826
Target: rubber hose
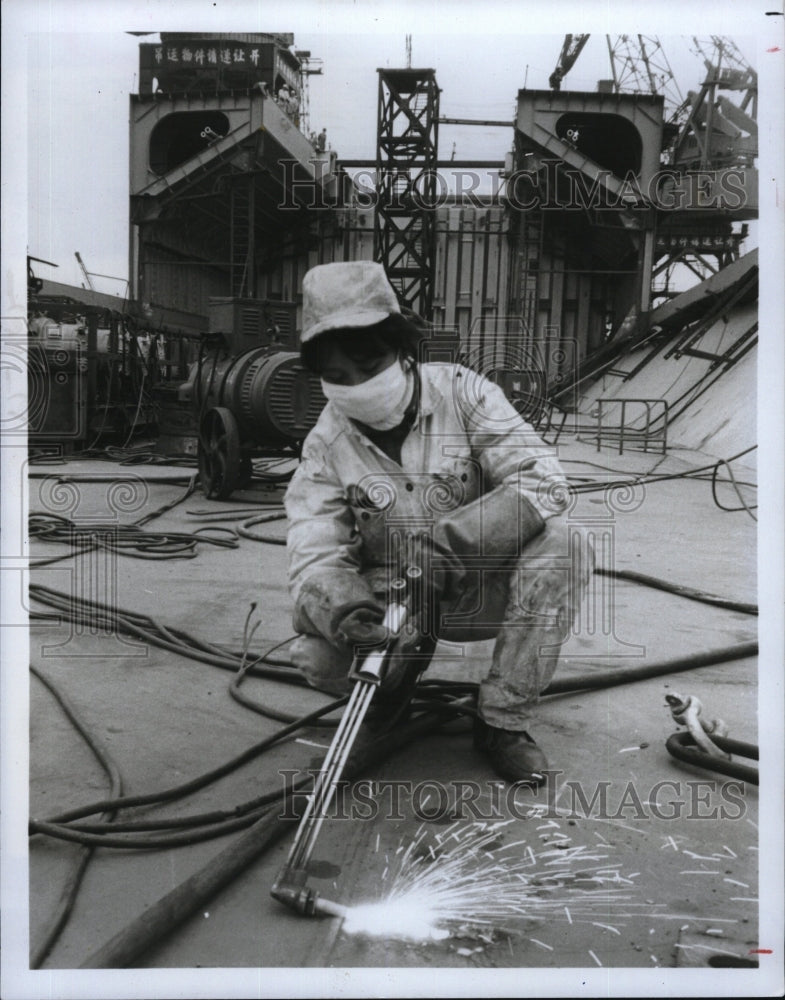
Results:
x,y
160,919
610,678
143,627
682,746
194,784
678,589
65,903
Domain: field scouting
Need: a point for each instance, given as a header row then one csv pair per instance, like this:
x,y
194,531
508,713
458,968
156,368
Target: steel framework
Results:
x,y
407,183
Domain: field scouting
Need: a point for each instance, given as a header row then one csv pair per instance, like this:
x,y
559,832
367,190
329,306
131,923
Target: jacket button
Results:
x,y
409,487
365,515
464,477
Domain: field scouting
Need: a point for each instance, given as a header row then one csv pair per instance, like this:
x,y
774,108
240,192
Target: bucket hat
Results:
x,y
352,294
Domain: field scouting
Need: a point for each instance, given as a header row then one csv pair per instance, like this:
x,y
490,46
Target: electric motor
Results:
x,y
271,396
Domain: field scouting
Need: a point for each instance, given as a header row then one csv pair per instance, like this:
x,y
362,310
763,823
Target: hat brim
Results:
x,y
351,319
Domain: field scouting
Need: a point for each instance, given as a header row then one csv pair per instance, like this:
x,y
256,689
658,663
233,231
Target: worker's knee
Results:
x,y
562,550
324,666
551,577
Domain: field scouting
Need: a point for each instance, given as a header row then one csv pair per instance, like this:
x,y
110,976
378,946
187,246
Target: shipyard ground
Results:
x,y
681,857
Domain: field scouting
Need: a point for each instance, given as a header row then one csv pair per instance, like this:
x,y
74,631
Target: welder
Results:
x,y
435,453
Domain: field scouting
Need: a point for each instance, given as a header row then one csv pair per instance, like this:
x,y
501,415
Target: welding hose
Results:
x,y
170,911
160,919
591,486
97,614
178,641
65,902
611,678
179,791
749,508
138,523
444,710
244,531
87,833
682,746
125,539
681,591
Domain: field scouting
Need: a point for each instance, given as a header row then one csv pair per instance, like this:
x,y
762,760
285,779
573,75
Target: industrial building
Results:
x,y
600,275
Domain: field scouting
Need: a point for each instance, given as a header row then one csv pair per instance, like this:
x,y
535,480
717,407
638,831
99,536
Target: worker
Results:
x,y
436,449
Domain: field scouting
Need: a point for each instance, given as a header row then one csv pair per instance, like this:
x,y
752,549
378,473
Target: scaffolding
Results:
x,y
406,183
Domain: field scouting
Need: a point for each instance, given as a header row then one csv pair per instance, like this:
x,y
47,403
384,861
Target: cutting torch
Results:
x,y
369,671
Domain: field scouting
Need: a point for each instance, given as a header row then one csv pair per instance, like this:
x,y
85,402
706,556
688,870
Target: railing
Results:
x,y
654,431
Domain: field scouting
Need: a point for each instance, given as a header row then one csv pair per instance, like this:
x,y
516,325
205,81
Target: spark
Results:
x,y
594,957
412,917
705,947
476,881
680,916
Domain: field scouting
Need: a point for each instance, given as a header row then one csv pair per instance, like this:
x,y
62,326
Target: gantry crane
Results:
x,y
703,131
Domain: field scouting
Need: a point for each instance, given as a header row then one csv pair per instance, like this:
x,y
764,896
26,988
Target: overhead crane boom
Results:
x,y
570,50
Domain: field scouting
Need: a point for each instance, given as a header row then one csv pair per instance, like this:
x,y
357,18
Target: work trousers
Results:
x,y
529,605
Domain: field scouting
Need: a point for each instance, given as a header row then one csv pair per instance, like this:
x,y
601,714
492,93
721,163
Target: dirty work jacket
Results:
x,y
347,495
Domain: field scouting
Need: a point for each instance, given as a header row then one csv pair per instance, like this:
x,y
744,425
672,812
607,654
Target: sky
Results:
x,y
81,64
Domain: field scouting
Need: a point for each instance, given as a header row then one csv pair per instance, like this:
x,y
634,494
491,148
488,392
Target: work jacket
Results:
x,y
347,499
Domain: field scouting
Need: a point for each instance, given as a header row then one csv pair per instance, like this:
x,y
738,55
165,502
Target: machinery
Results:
x,y
250,394
89,369
385,673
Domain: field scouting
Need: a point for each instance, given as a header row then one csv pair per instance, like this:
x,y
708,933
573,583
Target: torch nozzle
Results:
x,y
291,889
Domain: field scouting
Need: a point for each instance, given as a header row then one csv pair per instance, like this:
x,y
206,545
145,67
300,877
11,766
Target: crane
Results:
x,y
703,130
309,66
84,270
570,50
640,66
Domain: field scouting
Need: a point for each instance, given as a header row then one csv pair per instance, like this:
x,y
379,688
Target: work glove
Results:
x,y
443,573
498,524
359,625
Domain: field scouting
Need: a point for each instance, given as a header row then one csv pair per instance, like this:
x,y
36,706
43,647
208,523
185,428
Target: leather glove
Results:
x,y
497,524
360,625
442,570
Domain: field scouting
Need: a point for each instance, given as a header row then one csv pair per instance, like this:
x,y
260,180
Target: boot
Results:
x,y
513,755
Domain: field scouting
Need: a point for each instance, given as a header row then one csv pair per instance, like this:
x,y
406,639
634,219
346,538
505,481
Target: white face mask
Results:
x,y
380,402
